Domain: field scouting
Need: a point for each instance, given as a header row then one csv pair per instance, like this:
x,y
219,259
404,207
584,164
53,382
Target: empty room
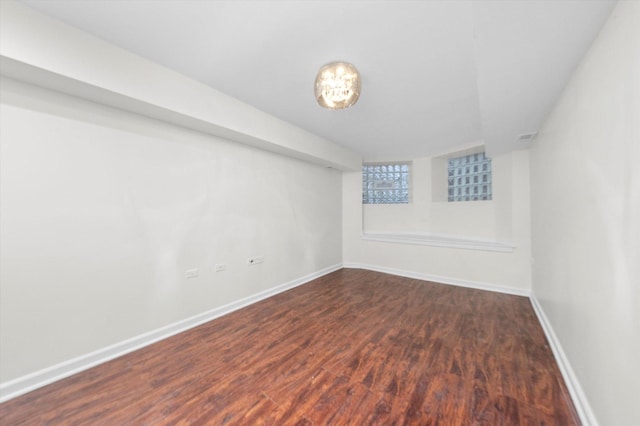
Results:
x,y
320,212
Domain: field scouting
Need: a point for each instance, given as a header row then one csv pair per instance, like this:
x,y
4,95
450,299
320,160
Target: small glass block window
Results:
x,y
470,178
385,183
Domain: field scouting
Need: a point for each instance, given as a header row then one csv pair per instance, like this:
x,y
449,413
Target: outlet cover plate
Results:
x,y
191,273
255,260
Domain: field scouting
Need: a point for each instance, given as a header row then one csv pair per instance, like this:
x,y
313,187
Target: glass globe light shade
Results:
x,y
337,85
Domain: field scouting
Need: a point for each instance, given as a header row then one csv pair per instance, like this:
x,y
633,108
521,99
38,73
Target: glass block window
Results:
x,y
470,178
385,183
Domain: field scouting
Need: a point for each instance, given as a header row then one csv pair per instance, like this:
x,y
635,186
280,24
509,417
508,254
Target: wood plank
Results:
x,y
353,347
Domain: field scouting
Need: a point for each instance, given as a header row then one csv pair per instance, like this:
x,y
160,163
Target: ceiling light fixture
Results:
x,y
337,85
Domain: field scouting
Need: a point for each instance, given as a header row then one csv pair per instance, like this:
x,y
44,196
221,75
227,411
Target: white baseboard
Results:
x,y
37,379
439,279
585,412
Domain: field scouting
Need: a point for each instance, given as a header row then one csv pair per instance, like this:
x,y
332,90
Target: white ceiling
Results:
x,y
436,74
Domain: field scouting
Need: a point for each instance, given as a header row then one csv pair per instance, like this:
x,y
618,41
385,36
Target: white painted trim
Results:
x,y
37,379
436,240
441,280
580,401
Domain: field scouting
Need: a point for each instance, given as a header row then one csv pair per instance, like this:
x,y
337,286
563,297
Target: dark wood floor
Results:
x,y
354,347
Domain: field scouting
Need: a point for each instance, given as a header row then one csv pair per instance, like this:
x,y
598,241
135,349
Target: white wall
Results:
x,y
585,186
504,219
102,211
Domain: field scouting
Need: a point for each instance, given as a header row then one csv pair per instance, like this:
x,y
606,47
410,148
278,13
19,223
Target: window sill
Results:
x,y
436,240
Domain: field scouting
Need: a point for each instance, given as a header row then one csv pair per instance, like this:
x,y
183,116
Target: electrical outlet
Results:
x,y
191,273
220,267
255,260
